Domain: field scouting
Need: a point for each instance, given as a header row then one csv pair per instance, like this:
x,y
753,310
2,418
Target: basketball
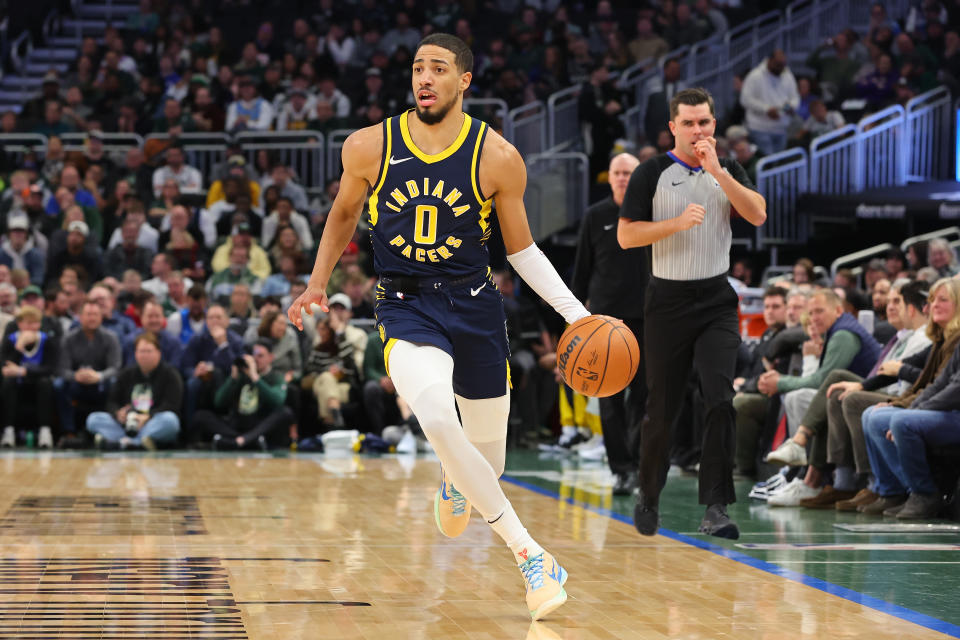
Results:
x,y
598,356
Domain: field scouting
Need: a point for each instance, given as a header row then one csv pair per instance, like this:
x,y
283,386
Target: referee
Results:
x,y
680,202
612,281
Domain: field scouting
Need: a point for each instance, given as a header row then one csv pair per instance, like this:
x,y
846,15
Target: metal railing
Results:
x,y
781,178
833,158
303,151
927,119
491,110
203,150
948,232
18,145
563,119
557,191
881,149
335,140
17,58
859,257
526,128
112,142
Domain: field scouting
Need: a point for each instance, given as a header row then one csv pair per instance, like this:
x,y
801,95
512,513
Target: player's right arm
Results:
x,y
636,227
361,160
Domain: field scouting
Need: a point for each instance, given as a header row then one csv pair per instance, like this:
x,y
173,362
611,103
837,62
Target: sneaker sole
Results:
x,y
436,517
553,603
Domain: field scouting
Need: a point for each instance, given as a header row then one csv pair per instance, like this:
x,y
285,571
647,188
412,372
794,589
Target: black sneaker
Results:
x,y
222,444
646,518
262,443
717,523
625,484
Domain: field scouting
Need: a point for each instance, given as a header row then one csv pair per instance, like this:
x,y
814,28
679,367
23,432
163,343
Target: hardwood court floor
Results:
x,y
262,547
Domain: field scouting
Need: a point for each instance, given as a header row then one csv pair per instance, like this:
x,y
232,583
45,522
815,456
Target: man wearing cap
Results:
x,y
259,262
188,178
94,154
34,109
296,112
250,112
75,253
235,167
17,250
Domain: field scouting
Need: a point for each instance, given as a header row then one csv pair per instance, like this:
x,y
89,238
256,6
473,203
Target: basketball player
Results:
x,y
680,202
436,174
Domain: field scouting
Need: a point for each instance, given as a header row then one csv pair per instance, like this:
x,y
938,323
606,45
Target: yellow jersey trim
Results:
x,y
374,199
437,157
473,165
391,343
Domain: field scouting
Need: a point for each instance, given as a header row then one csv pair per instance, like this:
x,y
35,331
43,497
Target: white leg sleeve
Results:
x,y
423,376
485,425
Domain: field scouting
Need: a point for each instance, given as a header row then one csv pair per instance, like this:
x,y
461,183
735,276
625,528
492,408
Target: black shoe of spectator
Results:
x,y
262,443
625,484
717,523
646,518
73,441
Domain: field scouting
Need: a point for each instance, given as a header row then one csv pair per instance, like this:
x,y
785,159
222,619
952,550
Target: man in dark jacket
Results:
x,y
252,399
30,357
143,404
753,408
207,360
612,280
89,360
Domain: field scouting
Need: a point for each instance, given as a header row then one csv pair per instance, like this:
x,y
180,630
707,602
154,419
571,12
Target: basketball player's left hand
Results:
x,y
706,150
313,295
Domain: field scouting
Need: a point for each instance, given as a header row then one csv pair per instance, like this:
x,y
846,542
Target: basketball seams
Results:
x,y
586,329
584,343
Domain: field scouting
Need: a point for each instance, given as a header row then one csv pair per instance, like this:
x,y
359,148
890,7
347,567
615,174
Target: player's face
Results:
x,y
437,83
693,123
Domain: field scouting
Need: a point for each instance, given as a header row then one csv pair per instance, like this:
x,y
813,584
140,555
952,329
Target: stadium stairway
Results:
x,y
61,41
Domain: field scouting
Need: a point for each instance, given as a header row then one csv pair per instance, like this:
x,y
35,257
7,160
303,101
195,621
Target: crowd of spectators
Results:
x,y
857,384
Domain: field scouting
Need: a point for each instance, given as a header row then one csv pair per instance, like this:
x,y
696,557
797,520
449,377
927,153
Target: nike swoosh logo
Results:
x,y
443,491
474,292
395,161
607,227
671,182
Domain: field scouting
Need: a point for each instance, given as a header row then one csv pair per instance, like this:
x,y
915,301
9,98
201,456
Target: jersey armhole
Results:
x,y
385,155
475,164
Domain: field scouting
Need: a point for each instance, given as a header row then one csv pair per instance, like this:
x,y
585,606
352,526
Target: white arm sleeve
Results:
x,y
540,274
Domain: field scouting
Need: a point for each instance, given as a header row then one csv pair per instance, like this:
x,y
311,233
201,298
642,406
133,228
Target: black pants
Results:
x,y
689,325
622,414
250,427
20,392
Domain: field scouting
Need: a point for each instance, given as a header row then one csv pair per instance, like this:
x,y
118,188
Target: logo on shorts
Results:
x,y
474,292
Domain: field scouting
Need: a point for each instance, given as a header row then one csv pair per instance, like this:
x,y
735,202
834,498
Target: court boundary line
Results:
x,y
871,602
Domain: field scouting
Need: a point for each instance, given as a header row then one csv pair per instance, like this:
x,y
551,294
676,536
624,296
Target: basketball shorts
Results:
x,y
463,316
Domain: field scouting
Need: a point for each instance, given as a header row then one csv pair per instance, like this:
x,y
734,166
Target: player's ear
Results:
x,y
465,80
673,127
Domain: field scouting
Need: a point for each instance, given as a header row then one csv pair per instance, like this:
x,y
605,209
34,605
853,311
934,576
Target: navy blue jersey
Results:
x,y
428,216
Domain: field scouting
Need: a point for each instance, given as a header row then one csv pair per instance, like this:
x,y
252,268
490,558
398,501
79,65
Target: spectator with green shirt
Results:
x,y
846,345
249,404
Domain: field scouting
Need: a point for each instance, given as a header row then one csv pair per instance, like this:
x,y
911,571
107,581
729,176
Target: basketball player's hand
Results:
x,y
706,150
692,216
313,295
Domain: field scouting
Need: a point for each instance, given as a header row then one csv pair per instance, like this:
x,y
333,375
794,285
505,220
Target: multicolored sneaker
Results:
x,y
450,508
544,577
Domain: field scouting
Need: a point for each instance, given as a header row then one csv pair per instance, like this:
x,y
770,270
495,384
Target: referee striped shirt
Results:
x,y
660,189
